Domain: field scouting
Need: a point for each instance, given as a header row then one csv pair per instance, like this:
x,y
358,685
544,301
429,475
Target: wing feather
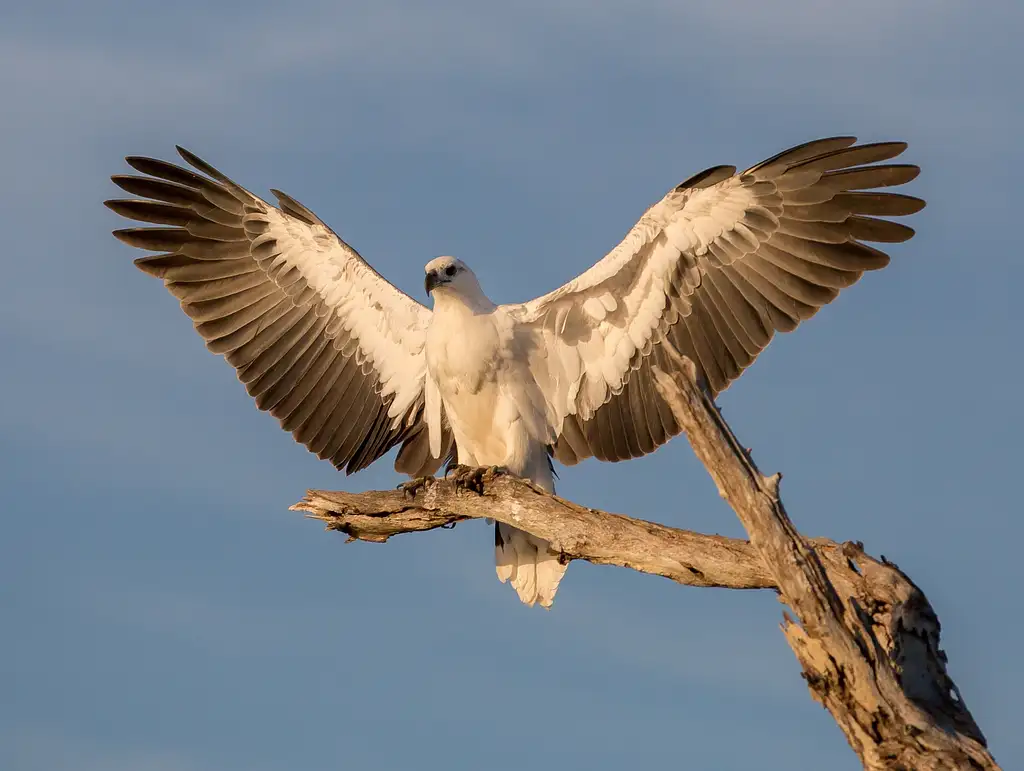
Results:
x,y
318,337
712,271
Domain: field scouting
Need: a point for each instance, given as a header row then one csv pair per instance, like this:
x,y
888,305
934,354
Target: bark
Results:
x,y
865,635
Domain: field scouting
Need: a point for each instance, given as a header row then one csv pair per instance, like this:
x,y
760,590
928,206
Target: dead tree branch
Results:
x,y
577,532
865,635
871,658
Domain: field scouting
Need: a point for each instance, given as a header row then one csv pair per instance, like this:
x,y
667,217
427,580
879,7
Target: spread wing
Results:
x,y
320,339
713,270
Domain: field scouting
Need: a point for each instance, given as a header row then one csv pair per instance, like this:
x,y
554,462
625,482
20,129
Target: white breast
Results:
x,y
462,350
480,381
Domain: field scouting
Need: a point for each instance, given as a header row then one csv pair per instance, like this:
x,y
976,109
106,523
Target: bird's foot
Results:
x,y
413,486
473,477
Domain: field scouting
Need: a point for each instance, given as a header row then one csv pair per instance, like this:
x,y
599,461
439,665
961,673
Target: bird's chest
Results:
x,y
468,362
463,355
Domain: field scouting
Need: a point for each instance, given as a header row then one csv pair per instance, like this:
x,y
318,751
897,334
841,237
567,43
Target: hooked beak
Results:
x,y
432,280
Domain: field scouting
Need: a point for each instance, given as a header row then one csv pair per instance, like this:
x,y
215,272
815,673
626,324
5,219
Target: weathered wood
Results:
x,y
577,532
865,635
871,657
580,533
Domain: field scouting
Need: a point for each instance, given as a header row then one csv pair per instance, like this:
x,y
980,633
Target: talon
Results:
x,y
472,477
468,477
413,486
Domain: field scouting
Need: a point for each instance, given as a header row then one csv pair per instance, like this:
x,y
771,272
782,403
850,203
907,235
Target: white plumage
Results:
x,y
480,363
353,367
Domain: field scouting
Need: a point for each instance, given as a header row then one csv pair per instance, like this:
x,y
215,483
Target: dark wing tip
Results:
x,y
888,204
196,162
804,151
907,172
135,160
126,235
151,265
192,159
123,179
706,178
155,239
187,155
895,146
290,206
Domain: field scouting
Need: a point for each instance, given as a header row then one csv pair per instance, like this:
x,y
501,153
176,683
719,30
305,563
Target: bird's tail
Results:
x,y
529,563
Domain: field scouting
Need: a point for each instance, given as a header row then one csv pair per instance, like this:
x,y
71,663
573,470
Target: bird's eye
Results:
x,y
450,271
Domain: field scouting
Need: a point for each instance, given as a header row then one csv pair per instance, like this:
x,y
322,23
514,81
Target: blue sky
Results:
x,y
163,611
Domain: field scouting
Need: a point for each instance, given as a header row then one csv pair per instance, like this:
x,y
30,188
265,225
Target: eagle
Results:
x,y
353,367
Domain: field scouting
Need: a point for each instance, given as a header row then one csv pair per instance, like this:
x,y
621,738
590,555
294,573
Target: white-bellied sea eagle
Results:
x,y
353,367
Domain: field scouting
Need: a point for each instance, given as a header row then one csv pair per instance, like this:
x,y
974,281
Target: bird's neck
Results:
x,y
453,304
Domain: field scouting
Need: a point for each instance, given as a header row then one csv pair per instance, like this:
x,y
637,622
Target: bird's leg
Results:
x,y
472,477
413,486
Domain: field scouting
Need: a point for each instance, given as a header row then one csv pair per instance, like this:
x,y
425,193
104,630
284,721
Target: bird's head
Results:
x,y
449,276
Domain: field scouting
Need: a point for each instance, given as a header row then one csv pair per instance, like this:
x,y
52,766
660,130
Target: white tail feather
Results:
x,y
529,563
